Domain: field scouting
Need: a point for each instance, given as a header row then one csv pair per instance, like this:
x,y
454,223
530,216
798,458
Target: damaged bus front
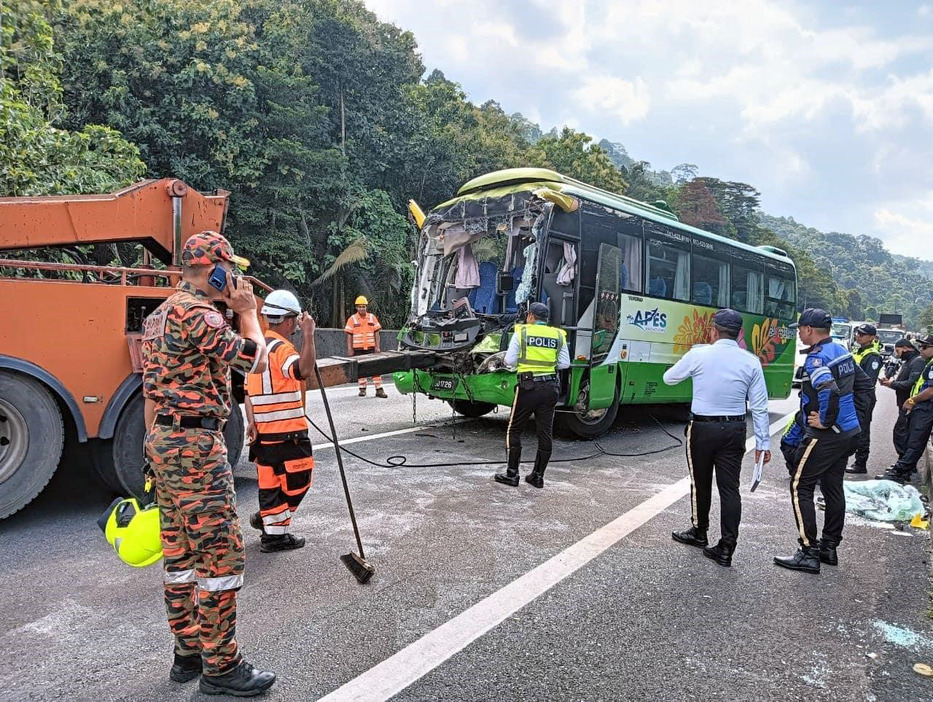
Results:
x,y
505,241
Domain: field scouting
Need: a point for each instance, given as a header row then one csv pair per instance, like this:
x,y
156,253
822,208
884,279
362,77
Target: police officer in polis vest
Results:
x,y
919,410
827,406
868,356
537,351
725,376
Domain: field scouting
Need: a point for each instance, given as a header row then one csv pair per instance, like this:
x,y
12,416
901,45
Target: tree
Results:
x,y
697,206
925,319
37,155
572,153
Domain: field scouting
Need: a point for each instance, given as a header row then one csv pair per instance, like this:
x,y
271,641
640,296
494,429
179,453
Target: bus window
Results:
x,y
608,279
631,267
710,281
780,300
668,266
747,278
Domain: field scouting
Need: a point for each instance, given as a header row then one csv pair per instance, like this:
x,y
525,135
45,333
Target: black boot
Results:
x,y
536,477
856,469
806,559
185,668
892,474
828,553
242,681
691,537
255,521
285,542
721,552
510,477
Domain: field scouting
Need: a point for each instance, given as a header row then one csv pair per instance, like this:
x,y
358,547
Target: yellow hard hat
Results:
x,y
361,301
133,531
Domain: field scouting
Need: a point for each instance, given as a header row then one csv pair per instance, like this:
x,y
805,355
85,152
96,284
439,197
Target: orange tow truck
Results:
x,y
69,333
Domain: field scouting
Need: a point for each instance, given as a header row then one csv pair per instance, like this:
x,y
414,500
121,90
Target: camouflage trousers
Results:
x,y
201,542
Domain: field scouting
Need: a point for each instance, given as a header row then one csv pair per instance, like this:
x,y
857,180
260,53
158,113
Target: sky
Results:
x,y
825,107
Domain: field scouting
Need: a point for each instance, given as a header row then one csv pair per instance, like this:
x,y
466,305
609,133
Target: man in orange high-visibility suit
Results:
x,y
363,338
276,424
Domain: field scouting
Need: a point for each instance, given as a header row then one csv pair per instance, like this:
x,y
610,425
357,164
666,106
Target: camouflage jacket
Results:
x,y
188,350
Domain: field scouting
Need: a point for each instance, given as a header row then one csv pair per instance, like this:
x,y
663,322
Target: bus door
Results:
x,y
605,328
559,274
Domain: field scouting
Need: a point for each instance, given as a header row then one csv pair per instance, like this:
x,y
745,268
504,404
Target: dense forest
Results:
x,y
323,122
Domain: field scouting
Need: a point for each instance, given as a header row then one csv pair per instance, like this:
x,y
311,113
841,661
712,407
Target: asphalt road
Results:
x,y
644,619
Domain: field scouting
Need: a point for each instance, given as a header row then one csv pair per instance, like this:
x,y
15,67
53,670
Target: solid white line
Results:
x,y
419,658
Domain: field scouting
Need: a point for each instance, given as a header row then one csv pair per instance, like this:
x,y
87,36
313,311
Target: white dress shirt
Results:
x,y
724,377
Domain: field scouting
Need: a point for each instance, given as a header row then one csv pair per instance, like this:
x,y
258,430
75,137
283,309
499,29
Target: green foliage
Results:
x,y
925,319
39,157
573,153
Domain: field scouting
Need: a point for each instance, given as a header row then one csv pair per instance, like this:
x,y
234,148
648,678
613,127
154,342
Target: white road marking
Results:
x,y
398,432
419,658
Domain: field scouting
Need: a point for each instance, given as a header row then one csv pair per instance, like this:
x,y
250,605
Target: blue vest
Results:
x,y
828,387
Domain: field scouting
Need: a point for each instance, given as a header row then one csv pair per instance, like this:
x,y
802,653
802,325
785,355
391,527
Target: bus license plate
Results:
x,y
444,384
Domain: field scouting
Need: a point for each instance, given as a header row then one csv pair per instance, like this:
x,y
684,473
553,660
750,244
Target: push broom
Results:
x,y
361,568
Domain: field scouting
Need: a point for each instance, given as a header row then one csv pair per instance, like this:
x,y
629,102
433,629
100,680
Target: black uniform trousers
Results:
x,y
919,427
863,443
821,460
540,400
901,431
719,446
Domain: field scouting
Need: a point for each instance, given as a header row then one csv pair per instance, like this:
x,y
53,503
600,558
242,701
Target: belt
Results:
x,y
284,436
544,378
723,418
209,423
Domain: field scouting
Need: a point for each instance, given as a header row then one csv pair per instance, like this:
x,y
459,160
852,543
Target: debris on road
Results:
x,y
883,500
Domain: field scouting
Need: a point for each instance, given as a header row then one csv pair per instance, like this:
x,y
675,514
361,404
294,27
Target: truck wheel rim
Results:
x,y
14,439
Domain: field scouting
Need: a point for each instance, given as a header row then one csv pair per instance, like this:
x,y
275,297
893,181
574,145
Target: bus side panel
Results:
x,y
603,381
643,384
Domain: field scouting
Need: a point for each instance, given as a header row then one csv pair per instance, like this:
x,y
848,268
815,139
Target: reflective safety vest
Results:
x,y
539,347
364,330
873,348
276,393
925,380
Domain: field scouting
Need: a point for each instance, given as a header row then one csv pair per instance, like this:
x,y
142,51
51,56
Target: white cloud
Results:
x,y
907,227
627,100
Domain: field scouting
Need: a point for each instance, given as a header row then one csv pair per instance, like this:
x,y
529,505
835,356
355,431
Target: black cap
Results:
x,y
925,341
540,311
729,320
866,328
813,317
903,343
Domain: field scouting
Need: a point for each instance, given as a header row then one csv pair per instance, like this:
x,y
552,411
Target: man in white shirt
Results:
x,y
725,376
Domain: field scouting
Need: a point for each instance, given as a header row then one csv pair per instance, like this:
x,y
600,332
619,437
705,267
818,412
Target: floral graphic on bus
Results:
x,y
693,330
766,340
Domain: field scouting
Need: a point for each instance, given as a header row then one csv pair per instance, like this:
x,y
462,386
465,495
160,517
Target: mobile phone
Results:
x,y
218,278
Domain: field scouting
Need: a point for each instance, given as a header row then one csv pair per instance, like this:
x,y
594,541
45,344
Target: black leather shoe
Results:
x,y
691,537
856,469
242,681
806,559
508,478
828,553
535,479
185,668
285,542
893,476
721,553
255,521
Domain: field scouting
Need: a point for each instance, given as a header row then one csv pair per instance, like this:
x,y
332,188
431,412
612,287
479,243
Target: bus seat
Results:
x,y
510,305
657,287
703,293
484,297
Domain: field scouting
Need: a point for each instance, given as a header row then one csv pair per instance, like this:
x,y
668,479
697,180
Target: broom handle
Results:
x,y
343,475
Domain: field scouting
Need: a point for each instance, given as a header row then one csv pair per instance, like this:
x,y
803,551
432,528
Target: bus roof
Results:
x,y
522,179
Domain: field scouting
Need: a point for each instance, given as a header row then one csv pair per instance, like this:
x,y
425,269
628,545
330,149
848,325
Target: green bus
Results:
x,y
633,287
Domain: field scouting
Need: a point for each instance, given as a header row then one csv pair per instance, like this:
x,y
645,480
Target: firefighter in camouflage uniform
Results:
x,y
188,351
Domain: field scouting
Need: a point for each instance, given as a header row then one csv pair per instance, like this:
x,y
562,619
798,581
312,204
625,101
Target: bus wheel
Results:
x,y
31,440
582,424
471,409
120,460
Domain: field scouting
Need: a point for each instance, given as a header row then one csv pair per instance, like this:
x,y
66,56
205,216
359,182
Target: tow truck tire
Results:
x,y
471,409
31,439
120,460
590,425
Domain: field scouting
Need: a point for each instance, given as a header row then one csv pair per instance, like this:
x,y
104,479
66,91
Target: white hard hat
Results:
x,y
281,303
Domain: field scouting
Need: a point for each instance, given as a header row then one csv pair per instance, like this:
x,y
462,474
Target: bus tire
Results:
x,y
119,461
31,439
577,424
471,409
